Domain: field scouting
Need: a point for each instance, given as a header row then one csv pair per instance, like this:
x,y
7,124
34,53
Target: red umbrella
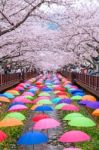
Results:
x,y
74,136
39,117
70,107
3,136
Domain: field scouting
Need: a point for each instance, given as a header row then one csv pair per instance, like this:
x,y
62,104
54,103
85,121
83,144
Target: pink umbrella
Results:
x,y
28,93
22,99
40,98
72,148
46,124
74,136
17,107
70,107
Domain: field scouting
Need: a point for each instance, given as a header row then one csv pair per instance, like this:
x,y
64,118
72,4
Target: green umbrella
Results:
x,y
59,106
44,94
76,98
46,102
15,115
56,100
29,97
72,115
82,122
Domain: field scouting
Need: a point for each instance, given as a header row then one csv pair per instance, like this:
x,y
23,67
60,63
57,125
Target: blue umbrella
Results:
x,y
31,138
78,93
8,95
43,108
84,102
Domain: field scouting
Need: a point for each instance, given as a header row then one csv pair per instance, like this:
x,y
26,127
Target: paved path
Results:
x,y
53,135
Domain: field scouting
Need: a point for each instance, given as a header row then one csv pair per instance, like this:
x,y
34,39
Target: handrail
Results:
x,y
90,83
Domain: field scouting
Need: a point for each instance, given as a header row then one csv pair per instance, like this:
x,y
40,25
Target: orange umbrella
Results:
x,y
10,122
14,92
96,112
89,98
4,99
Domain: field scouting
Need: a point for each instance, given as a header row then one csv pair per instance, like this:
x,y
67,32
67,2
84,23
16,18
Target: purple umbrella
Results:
x,y
68,101
84,102
93,105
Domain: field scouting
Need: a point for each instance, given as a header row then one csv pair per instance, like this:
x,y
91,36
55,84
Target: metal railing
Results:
x,y
8,80
90,83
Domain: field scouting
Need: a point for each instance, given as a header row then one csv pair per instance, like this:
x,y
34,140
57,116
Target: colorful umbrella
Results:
x,y
44,94
44,108
38,117
46,102
35,106
16,115
29,97
8,95
56,100
74,136
79,122
93,105
76,98
31,138
72,115
46,124
89,97
95,112
14,92
70,107
72,148
18,107
3,136
9,122
22,99
59,106
68,101
28,93
4,99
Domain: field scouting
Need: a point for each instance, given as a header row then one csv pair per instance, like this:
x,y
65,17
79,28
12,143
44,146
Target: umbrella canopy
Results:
x,y
74,136
95,112
4,99
18,107
79,122
3,136
38,117
68,101
72,115
35,106
56,100
8,95
44,94
10,122
14,92
83,102
16,115
29,97
70,107
72,148
93,105
59,106
76,98
44,108
15,103
22,99
28,93
32,137
89,97
46,124
46,102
